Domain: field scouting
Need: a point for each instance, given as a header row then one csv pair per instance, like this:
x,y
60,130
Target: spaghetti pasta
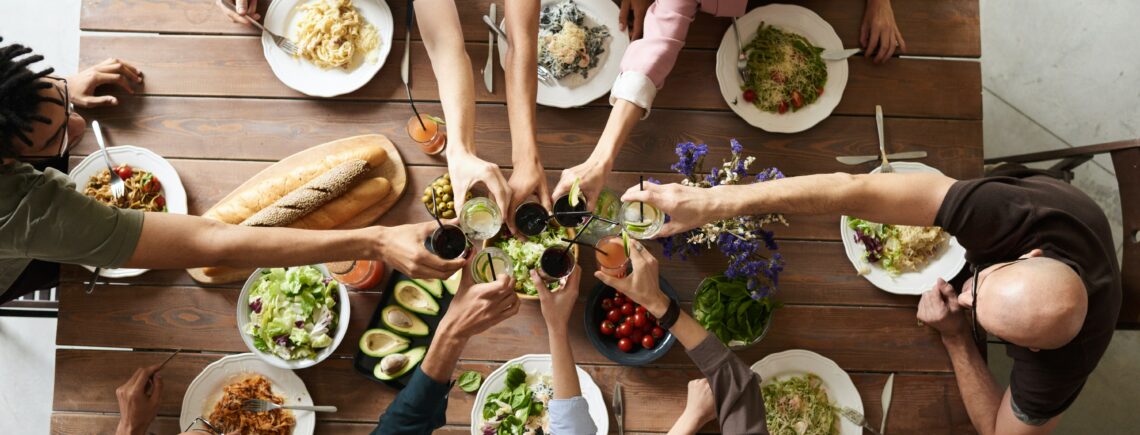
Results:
x,y
785,71
143,190
331,33
229,416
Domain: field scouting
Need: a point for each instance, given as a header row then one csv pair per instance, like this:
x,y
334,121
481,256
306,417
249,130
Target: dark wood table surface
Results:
x,y
212,107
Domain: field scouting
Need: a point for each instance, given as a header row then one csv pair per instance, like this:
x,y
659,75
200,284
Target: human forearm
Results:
x,y
686,424
438,23
686,329
444,353
623,117
562,359
980,392
521,18
200,242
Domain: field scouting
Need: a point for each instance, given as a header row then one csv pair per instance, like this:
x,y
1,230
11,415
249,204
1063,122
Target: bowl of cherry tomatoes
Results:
x,y
623,330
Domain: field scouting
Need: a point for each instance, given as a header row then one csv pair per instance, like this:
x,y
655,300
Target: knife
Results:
x,y
858,160
410,18
845,53
618,411
489,70
887,390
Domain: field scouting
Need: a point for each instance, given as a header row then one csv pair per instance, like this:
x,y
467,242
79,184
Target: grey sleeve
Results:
x,y
740,407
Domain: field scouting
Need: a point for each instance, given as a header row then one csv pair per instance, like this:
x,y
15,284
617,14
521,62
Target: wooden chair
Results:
x,y
1126,160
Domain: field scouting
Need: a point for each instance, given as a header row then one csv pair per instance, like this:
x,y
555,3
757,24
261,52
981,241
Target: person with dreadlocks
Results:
x,y
45,221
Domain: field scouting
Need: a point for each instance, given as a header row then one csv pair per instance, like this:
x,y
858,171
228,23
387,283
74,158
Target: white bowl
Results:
x,y
539,364
274,360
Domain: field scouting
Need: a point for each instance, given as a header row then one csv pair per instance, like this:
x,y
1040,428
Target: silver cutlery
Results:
x,y
885,168
488,70
259,405
888,389
619,412
858,160
282,42
855,417
845,53
150,380
118,188
741,58
94,280
544,74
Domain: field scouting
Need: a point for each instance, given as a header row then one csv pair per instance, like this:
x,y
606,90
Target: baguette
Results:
x,y
241,206
311,196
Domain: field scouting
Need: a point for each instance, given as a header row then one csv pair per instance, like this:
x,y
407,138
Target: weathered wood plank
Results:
x,y
930,27
234,66
654,396
252,129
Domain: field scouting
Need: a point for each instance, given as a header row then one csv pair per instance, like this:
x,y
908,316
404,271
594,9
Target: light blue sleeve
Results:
x,y
571,417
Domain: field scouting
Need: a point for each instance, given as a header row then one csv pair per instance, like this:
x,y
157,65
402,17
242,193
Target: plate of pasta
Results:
x,y
341,44
217,393
152,185
802,391
789,88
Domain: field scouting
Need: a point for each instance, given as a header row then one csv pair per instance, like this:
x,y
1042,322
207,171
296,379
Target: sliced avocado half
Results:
x,y
415,298
452,283
433,286
403,322
382,342
398,364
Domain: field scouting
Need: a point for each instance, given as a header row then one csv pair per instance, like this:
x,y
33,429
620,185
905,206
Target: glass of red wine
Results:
x,y
531,218
556,263
448,242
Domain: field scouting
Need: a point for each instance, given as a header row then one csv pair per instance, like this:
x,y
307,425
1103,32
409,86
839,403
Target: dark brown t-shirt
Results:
x,y
998,219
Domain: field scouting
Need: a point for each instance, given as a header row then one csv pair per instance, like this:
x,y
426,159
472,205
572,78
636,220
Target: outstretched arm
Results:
x,y
528,177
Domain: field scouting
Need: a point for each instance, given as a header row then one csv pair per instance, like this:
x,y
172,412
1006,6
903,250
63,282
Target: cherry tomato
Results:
x,y
657,332
647,328
627,309
618,301
614,315
160,201
777,77
607,304
819,92
639,320
625,344
749,95
648,342
636,335
640,309
797,99
618,294
624,330
153,186
607,327
124,171
783,107
651,318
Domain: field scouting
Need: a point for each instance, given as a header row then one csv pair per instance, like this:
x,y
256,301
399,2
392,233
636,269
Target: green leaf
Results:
x,y
470,381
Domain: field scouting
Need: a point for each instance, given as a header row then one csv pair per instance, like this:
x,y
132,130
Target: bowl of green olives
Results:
x,y
443,197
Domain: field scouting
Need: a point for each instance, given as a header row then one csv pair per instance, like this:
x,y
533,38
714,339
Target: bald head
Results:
x,y
1038,303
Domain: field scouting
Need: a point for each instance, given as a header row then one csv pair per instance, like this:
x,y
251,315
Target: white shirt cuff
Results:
x,y
636,88
571,417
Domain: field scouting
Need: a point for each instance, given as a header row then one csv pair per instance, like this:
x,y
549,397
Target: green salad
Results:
x,y
292,312
799,406
520,407
525,256
725,307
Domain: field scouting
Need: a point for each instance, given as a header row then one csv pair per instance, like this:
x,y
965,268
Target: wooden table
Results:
x,y
214,109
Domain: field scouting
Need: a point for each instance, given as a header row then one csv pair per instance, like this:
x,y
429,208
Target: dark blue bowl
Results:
x,y
607,345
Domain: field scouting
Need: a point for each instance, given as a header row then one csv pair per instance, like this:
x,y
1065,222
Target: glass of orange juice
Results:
x,y
429,135
611,257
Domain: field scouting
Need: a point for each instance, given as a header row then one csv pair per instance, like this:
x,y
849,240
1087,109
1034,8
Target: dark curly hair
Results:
x,y
20,96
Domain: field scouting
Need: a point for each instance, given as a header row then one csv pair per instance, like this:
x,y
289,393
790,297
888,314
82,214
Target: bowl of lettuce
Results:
x,y
525,254
292,317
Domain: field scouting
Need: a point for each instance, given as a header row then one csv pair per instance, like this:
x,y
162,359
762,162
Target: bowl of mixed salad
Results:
x,y
514,398
525,255
292,317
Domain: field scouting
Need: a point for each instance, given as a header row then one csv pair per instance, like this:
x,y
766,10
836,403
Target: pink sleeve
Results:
x,y
666,25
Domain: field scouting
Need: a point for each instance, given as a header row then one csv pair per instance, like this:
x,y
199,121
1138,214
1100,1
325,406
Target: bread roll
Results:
x,y
311,196
263,194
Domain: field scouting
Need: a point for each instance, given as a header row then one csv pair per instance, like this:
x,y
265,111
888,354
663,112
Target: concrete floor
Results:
x,y
1056,73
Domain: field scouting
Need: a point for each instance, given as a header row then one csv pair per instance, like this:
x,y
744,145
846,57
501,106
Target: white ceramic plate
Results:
x,y
206,389
797,362
573,90
790,18
539,364
309,79
947,262
134,157
343,311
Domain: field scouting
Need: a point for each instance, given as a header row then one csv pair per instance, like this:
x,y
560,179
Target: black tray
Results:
x,y
365,364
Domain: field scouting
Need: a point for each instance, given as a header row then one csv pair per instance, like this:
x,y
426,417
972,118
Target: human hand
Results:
x,y
477,307
137,408
243,11
642,285
700,405
403,248
633,10
879,35
81,86
557,306
687,207
939,309
527,179
467,170
591,176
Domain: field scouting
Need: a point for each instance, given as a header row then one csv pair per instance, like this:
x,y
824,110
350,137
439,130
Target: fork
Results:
x,y
118,188
855,417
741,58
259,405
282,42
544,74
885,168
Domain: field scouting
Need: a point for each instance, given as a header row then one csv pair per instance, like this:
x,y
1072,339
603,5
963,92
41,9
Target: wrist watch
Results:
x,y
667,320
